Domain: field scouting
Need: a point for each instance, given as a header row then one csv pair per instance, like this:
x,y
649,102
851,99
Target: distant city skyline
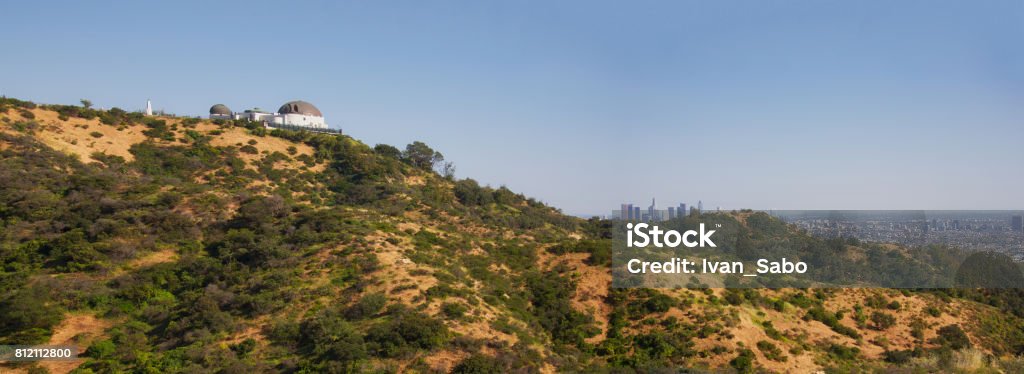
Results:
x,y
627,211
760,105
1000,231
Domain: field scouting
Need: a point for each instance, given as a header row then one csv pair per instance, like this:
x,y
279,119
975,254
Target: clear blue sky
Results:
x,y
584,105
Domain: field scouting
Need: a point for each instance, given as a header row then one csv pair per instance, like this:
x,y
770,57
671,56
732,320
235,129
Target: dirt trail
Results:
x,y
79,330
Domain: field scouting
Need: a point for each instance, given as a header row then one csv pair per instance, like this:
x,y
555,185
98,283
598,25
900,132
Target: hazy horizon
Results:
x,y
796,105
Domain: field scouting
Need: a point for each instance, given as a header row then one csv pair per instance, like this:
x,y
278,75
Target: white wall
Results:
x,y
299,120
277,118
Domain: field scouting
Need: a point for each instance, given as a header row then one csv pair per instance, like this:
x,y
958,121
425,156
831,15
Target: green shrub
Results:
x,y
771,351
550,296
248,148
771,331
478,364
659,303
454,310
28,316
600,250
898,356
157,128
26,126
72,251
333,341
952,337
882,320
367,306
744,362
842,352
405,331
829,319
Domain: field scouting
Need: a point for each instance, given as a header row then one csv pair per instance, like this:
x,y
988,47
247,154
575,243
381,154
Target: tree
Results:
x,y
469,192
448,170
422,156
388,151
86,103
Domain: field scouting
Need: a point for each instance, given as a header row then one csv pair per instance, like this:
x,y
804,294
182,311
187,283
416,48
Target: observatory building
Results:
x,y
293,113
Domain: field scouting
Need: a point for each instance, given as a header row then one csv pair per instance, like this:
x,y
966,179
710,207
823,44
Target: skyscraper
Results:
x,y
636,213
627,212
671,212
149,108
682,210
700,206
650,212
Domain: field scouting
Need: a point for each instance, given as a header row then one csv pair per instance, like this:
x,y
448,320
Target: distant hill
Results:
x,y
183,245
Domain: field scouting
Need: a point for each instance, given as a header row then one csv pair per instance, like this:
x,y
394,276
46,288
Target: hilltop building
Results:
x,y
293,113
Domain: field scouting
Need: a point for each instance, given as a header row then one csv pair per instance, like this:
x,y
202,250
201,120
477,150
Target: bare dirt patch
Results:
x,y
82,137
79,330
238,137
158,257
592,284
445,361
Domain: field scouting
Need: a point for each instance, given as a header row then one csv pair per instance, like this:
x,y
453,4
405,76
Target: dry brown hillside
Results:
x,y
223,247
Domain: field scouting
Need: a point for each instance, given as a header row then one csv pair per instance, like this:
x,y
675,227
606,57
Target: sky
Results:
x,y
588,104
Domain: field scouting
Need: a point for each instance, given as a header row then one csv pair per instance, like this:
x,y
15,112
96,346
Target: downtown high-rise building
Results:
x,y
651,212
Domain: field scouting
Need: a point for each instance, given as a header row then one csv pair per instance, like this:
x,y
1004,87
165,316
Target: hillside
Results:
x,y
183,245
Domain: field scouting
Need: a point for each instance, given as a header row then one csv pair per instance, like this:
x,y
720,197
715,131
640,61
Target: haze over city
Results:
x,y
586,105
